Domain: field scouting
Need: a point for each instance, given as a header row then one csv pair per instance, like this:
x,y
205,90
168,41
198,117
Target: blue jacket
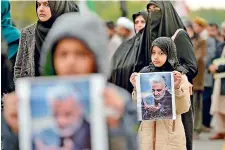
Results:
x,y
10,34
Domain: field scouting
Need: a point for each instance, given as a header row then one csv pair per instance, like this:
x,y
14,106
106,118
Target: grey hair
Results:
x,y
158,79
60,92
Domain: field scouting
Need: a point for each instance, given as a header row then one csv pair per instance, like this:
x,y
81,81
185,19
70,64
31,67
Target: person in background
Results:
x,y
124,60
139,20
115,40
33,36
218,95
198,82
213,31
125,28
199,27
10,33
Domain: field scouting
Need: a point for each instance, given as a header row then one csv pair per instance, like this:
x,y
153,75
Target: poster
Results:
x,y
155,96
62,113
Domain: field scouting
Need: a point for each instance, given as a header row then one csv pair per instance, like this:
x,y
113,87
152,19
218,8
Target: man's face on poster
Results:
x,y
68,115
158,90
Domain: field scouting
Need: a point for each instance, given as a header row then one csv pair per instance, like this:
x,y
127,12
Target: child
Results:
x,y
77,45
170,134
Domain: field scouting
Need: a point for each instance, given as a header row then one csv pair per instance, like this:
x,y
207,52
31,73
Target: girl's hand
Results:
x,y
133,79
177,79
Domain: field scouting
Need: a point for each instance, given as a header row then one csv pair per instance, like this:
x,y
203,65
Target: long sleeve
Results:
x,y
19,58
221,68
182,97
211,51
185,53
200,50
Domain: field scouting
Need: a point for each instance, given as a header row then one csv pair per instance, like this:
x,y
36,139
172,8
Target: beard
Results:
x,y
69,130
161,96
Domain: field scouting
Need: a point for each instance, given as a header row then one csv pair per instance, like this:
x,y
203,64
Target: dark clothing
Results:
x,y
221,68
197,104
57,8
165,112
124,59
81,138
7,84
206,119
123,62
37,61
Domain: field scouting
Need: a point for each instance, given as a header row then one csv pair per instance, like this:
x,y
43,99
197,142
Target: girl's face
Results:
x,y
158,57
43,10
139,23
72,57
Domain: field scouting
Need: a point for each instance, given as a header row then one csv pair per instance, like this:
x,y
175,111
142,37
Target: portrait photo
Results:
x,y
155,96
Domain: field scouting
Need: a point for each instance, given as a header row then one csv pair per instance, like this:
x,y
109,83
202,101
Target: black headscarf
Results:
x,y
168,46
57,8
165,23
124,58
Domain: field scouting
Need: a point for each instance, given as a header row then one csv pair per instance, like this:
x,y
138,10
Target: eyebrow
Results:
x,y
42,2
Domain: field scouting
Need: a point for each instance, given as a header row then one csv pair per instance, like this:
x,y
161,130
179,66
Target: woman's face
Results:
x,y
139,23
43,10
158,57
72,57
153,8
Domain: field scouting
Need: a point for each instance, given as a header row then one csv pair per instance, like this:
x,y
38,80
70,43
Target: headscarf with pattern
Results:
x,y
168,46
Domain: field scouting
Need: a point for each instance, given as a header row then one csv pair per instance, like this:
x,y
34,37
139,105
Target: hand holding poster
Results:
x,y
155,96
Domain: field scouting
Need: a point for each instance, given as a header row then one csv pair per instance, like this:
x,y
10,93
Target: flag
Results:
x,y
86,6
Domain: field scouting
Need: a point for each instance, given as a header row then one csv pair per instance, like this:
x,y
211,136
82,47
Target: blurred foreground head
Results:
x,y
76,45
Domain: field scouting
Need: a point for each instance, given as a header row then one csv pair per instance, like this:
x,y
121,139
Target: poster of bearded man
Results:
x,y
155,96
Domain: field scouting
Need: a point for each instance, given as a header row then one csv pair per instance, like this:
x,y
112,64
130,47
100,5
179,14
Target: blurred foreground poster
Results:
x,y
62,113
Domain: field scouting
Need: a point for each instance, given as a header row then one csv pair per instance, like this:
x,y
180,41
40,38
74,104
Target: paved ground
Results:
x,y
204,144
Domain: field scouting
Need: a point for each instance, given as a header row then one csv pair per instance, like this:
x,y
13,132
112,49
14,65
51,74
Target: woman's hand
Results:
x,y
133,79
177,79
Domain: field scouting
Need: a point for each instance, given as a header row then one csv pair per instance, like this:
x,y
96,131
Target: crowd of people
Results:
x,y
64,42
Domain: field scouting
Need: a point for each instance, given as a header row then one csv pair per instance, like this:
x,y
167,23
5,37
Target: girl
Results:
x,y
170,134
33,36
